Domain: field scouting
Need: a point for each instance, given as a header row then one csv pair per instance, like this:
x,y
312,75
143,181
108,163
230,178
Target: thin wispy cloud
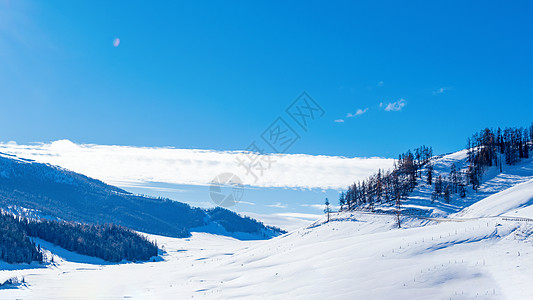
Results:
x,y
441,90
277,205
300,215
393,106
357,113
361,111
380,83
246,202
127,165
320,207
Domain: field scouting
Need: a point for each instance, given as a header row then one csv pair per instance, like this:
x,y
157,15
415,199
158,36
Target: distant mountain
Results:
x,y
57,193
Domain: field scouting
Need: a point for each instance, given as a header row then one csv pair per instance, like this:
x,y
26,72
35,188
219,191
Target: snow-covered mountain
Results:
x,y
474,247
40,190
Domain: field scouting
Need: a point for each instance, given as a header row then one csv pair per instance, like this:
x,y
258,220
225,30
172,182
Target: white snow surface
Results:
x,y
514,202
355,256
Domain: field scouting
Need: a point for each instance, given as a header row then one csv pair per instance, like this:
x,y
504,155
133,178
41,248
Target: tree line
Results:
x,y
389,186
485,149
109,242
15,245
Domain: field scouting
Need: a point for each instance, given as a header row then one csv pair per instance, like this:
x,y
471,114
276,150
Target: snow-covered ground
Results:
x,y
481,247
358,256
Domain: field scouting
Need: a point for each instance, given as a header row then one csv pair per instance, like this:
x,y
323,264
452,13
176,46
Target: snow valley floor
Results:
x,y
356,255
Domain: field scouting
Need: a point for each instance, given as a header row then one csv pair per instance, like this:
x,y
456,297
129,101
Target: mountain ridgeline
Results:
x,y
66,195
488,148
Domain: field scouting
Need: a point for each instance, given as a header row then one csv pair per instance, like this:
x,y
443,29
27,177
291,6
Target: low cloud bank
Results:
x,y
127,165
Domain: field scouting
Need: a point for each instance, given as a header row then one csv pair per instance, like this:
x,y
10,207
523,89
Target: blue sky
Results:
x,y
214,75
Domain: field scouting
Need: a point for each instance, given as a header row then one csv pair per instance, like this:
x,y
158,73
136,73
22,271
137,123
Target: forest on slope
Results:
x,y
485,149
70,196
108,242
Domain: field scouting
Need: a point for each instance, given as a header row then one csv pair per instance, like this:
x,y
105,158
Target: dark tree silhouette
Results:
x,y
15,244
328,209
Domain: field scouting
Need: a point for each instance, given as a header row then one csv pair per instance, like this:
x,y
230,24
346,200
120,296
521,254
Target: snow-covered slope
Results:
x,y
356,256
41,190
471,248
516,201
493,182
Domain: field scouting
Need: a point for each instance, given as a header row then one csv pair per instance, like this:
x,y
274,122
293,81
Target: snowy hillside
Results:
x,y
474,247
356,256
35,189
420,201
516,201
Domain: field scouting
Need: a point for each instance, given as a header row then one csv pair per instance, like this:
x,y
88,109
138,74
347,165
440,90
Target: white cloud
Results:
x,y
300,215
339,121
441,90
361,111
246,202
277,205
126,165
394,106
320,207
315,206
357,113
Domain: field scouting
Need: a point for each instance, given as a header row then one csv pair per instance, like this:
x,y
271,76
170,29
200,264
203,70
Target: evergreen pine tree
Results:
x,y
430,173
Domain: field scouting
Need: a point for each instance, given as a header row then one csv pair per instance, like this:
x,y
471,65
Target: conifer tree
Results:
x,y
430,174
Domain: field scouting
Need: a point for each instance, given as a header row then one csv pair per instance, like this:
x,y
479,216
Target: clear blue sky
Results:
x,y
215,74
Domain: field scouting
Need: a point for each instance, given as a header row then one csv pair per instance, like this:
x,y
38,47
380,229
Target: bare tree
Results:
x,y
328,209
